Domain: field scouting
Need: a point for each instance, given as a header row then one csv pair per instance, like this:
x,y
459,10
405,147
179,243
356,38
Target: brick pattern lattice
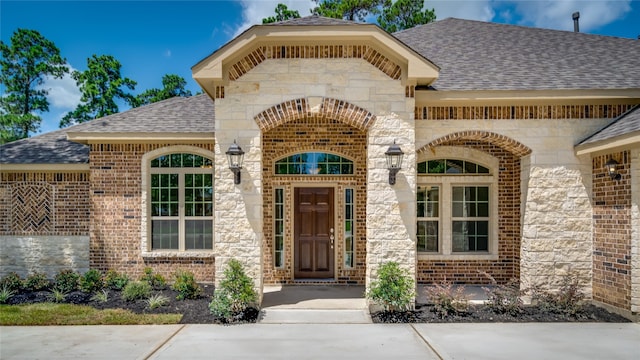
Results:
x,y
522,112
612,232
329,108
44,204
364,52
116,220
323,134
507,266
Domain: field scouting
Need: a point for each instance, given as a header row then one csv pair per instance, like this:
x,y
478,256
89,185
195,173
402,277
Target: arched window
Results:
x,y
314,163
456,204
181,202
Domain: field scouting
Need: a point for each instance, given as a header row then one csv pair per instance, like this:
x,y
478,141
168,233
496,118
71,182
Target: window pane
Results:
x,y
422,167
278,231
164,234
470,236
436,166
198,235
455,166
313,163
349,248
428,236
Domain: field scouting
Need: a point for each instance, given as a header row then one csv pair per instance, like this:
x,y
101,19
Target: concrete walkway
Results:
x,y
324,341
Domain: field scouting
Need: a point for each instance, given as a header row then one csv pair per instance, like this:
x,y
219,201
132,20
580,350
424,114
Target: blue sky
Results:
x,y
153,38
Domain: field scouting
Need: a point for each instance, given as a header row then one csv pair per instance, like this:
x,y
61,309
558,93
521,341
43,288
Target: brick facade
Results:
x,y
116,221
612,232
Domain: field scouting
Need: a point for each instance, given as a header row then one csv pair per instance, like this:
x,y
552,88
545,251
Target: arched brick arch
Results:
x,y
516,148
327,108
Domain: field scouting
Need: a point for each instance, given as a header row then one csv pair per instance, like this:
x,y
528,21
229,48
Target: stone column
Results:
x,y
391,208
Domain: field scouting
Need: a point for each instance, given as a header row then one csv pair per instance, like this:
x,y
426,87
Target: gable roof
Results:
x,y
189,116
315,20
475,55
625,130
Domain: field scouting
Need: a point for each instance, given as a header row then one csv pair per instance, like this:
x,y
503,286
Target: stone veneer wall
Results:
x,y
507,266
116,221
612,232
44,222
313,133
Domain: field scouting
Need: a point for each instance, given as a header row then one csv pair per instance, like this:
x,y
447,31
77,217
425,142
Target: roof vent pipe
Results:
x,y
576,17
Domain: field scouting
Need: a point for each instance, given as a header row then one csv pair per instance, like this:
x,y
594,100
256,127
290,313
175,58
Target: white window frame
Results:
x,y
446,182
147,219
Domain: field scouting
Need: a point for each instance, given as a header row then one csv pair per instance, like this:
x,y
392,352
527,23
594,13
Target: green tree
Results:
x,y
173,85
282,13
349,9
25,65
101,85
405,14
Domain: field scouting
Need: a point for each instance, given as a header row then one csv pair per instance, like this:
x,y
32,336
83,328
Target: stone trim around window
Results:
x,y
145,231
445,251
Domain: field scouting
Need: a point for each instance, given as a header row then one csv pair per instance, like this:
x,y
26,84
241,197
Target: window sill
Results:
x,y
467,256
178,254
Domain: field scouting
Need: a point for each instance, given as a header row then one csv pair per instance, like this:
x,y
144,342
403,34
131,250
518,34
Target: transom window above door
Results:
x,y
314,163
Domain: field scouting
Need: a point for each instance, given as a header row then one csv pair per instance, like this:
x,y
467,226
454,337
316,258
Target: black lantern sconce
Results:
x,y
611,167
394,161
235,156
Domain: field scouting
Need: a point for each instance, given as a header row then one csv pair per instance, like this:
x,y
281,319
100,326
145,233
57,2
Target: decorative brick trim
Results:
x,y
536,112
32,208
364,52
502,141
327,109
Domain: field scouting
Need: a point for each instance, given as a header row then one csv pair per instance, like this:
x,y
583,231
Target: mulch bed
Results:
x,y
482,314
196,311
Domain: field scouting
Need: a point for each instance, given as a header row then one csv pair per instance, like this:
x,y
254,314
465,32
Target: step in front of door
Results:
x,y
314,316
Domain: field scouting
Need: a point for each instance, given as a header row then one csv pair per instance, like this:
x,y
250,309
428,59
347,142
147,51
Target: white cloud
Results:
x,y
466,9
167,53
63,93
556,14
253,11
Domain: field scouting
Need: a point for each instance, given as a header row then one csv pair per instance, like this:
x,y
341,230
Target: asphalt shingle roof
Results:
x,y
627,123
476,55
176,115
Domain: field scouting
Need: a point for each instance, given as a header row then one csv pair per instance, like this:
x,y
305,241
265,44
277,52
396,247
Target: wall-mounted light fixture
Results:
x,y
235,156
611,167
394,161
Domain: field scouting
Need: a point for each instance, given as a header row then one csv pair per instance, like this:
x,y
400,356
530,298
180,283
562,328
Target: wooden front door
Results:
x,y
314,233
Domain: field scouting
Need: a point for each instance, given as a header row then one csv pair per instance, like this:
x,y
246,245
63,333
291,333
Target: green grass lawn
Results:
x,y
68,314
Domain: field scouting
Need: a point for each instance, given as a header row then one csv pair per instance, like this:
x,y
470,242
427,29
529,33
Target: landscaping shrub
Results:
x,y
394,289
235,294
57,296
91,281
37,281
11,282
448,299
115,280
155,301
504,299
5,294
100,296
157,281
186,285
66,281
136,290
567,300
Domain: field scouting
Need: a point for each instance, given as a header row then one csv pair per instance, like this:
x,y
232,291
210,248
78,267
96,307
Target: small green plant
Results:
x,y
12,282
156,301
57,296
504,299
100,296
115,280
567,300
394,289
66,281
5,294
37,281
448,299
136,290
235,294
91,281
157,281
186,285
